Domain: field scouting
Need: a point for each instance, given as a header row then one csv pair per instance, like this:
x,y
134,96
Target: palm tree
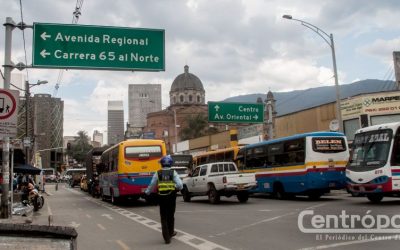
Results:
x,y
80,147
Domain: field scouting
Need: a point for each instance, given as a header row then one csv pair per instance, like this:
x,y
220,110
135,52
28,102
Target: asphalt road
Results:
x,y
261,223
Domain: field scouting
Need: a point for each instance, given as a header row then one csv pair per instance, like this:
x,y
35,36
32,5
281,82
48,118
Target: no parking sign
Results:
x,y
8,112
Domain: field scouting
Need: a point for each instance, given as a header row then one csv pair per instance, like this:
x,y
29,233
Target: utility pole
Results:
x,y
5,167
27,96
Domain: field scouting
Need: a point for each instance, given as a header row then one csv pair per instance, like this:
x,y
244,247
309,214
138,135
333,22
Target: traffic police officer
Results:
x,y
168,182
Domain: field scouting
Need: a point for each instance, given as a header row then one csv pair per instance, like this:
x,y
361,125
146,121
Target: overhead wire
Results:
x,y
23,38
75,17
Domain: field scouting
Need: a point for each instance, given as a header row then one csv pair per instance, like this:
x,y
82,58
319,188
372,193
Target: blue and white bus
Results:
x,y
305,164
374,165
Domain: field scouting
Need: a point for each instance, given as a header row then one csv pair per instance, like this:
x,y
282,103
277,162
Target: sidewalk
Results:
x,y
35,230
40,217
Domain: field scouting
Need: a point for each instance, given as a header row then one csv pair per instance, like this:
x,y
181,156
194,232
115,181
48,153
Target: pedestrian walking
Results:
x,y
168,183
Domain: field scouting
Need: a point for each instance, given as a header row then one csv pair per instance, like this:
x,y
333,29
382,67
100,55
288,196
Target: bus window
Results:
x,y
219,157
232,168
214,168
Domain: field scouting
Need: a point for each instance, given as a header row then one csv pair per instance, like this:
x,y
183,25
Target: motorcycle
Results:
x,y
34,198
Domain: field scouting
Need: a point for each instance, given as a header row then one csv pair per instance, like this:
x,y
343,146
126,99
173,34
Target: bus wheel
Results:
x,y
279,191
213,195
185,194
375,198
243,197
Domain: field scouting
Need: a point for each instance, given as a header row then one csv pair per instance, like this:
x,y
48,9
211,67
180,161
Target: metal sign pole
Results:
x,y
5,171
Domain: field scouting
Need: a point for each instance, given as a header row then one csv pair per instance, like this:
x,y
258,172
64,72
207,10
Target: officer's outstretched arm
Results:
x,y
178,181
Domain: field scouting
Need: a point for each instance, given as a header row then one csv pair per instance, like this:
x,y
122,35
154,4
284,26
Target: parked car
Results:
x,y
216,180
74,176
49,175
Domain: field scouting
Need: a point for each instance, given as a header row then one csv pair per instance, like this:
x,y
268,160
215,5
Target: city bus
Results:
x,y
127,168
218,155
374,166
309,164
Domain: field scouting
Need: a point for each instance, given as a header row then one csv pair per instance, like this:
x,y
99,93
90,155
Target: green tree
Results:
x,y
197,126
80,147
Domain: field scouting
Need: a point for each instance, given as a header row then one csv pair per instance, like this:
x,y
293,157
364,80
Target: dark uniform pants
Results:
x,y
167,211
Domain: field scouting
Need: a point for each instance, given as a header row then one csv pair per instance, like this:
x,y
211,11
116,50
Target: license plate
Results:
x,y
332,184
362,189
240,186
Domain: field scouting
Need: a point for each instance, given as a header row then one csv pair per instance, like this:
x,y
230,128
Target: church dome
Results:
x,y
186,81
187,89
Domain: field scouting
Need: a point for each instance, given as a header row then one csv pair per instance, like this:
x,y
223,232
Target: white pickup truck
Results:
x,y
218,179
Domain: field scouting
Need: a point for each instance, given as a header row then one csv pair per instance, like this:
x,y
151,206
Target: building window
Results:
x,y
190,98
181,98
198,99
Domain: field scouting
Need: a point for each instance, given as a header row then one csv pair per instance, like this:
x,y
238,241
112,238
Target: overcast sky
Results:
x,y
234,47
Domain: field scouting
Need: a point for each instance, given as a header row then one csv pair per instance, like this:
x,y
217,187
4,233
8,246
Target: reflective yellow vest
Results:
x,y
166,184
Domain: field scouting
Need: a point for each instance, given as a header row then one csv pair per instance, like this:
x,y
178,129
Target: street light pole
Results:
x,y
27,95
27,107
329,40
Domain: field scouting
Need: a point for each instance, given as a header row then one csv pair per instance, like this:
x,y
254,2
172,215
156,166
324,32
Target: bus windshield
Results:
x,y
370,150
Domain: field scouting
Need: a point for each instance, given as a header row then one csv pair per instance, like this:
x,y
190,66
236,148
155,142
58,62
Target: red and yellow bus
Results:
x,y
127,168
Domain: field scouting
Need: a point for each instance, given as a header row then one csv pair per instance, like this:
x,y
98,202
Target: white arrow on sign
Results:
x,y
44,36
255,117
216,108
43,53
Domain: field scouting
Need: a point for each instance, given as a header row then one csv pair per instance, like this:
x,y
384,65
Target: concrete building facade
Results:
x,y
98,137
47,135
143,99
115,122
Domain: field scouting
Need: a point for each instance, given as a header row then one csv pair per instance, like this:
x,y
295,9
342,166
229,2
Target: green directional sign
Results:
x,y
97,47
229,112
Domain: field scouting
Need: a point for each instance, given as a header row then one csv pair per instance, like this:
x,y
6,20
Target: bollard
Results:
x,y
56,186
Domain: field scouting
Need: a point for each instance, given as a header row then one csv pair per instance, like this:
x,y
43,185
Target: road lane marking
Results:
x,y
254,224
107,216
74,224
189,239
88,215
101,227
315,206
335,245
122,245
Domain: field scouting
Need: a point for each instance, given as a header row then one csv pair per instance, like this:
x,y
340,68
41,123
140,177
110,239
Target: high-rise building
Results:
x,y
143,99
98,137
47,129
115,122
